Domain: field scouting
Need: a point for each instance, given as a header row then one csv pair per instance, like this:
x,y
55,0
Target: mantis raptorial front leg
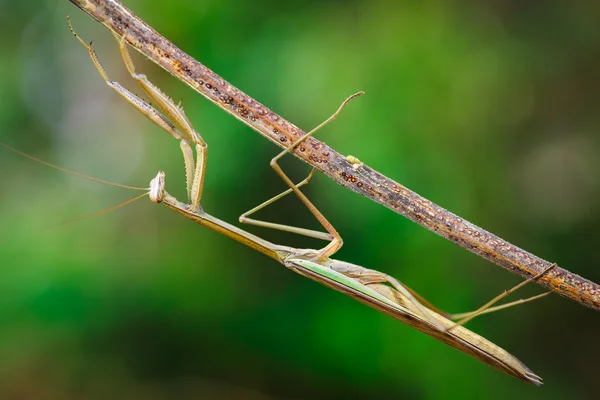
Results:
x,y
195,170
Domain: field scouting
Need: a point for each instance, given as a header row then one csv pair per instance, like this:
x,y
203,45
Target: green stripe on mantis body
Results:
x,y
346,281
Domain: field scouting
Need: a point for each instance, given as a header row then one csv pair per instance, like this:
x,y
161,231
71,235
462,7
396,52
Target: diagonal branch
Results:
x,y
346,171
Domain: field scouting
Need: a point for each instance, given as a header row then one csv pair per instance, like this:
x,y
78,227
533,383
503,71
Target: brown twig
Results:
x,y
346,171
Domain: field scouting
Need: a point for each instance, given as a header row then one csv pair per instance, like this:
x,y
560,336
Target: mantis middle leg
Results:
x,y
335,240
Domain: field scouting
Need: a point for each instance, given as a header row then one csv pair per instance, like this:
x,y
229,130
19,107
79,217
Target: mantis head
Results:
x,y
157,188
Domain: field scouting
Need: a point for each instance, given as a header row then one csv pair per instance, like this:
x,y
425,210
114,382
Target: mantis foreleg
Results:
x,y
185,134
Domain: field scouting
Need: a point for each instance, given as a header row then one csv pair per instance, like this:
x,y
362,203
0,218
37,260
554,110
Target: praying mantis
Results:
x,y
373,288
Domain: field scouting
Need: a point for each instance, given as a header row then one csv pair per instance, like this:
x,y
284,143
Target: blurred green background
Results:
x,y
490,109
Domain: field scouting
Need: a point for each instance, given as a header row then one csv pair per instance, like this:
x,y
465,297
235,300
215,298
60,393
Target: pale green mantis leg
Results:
x,y
301,231
368,276
487,307
371,276
332,236
194,169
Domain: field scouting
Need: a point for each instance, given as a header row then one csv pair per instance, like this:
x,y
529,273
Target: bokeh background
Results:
x,y
490,109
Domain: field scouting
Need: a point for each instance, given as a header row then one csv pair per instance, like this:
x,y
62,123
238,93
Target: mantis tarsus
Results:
x,y
371,287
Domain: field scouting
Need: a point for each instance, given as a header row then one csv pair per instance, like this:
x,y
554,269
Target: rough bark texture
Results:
x,y
347,172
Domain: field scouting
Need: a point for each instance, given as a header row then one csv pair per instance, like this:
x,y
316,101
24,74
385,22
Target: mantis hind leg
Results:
x,y
487,307
369,277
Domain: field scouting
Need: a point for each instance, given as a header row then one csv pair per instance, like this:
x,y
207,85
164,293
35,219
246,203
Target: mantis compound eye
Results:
x,y
157,188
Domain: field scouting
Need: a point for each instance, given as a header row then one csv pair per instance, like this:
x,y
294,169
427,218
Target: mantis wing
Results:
x,y
391,302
